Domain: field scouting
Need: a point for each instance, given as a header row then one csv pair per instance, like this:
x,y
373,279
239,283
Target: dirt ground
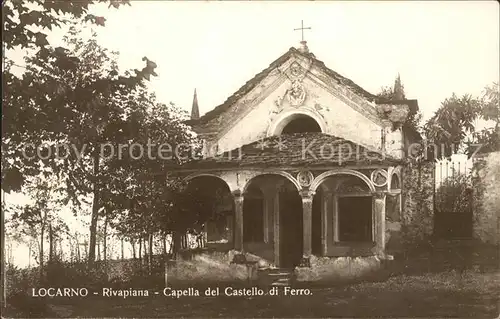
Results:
x,y
445,294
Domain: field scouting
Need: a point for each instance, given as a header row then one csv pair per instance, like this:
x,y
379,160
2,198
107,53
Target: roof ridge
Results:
x,y
250,84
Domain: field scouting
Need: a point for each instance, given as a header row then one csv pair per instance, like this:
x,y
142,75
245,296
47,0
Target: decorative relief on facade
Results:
x,y
296,94
295,69
305,178
379,177
297,72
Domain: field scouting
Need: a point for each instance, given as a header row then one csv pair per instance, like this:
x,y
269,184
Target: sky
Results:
x,y
437,47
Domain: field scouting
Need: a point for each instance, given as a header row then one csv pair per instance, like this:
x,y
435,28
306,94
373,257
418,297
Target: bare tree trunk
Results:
x,y
42,234
132,242
51,244
122,244
164,239
95,209
145,249
78,254
29,256
176,240
140,249
150,259
60,250
105,242
98,250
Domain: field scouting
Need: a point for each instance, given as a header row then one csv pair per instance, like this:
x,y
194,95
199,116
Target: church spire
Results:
x,y
399,93
195,111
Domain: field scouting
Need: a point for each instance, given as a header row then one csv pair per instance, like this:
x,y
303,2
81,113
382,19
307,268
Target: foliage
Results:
x,y
387,92
454,123
21,17
491,103
451,123
418,204
25,26
486,198
76,102
414,118
454,193
38,221
489,137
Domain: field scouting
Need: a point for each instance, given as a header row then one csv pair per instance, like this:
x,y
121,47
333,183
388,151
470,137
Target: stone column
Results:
x,y
307,198
238,221
276,230
335,218
379,225
326,207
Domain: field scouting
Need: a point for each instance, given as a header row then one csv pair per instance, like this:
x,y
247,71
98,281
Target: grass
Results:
x,y
445,294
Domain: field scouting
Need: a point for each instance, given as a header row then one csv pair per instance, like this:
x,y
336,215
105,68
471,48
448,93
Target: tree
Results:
x,y
145,207
489,137
73,101
33,220
25,27
453,125
452,122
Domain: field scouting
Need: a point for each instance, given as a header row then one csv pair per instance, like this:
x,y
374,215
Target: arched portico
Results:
x,y
272,213
217,208
323,176
276,173
351,214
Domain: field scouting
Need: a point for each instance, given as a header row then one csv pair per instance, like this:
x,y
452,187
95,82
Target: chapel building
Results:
x,y
304,162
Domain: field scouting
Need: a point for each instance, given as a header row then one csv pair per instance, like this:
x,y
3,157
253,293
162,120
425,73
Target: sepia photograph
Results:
x,y
250,159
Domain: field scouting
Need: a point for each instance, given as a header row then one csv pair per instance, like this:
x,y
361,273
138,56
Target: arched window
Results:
x,y
301,124
393,200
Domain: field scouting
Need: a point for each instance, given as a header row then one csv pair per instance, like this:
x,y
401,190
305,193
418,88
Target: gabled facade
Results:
x,y
310,164
299,84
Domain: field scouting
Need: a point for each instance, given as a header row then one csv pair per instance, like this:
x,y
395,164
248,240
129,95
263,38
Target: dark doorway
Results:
x,y
316,224
215,206
301,124
355,219
253,216
290,213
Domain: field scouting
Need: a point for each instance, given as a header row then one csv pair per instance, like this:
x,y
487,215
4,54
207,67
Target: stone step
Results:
x,y
282,284
284,280
279,274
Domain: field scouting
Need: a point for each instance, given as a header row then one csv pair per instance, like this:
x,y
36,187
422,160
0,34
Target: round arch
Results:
x,y
286,117
323,176
396,175
286,175
195,175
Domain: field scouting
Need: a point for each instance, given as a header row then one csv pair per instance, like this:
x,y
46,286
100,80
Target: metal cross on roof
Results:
x,y
302,28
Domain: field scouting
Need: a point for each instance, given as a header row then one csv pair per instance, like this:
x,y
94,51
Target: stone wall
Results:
x,y
207,266
486,199
417,218
338,269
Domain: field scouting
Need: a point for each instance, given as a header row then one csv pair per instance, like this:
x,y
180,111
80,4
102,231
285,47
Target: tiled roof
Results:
x,y
294,150
248,86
